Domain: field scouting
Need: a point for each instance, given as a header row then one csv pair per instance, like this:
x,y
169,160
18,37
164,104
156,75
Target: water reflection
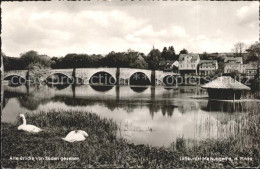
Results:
x,y
58,86
139,89
101,88
169,113
168,88
222,106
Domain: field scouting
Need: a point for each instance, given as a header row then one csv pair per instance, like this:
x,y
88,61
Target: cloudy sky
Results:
x,y
57,28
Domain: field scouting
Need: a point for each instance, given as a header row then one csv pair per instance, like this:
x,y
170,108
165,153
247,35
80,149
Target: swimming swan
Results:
x,y
27,127
76,135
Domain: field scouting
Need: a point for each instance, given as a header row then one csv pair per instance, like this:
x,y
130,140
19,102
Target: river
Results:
x,y
146,115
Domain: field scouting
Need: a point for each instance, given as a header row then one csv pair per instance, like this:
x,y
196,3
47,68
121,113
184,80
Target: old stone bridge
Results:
x,y
121,76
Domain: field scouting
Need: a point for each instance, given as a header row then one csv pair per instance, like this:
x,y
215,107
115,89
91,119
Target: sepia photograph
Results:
x,y
130,84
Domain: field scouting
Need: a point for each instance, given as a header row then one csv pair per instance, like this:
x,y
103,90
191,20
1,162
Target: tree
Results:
x,y
32,57
139,63
38,71
253,53
184,51
205,56
169,54
164,53
13,63
154,57
239,49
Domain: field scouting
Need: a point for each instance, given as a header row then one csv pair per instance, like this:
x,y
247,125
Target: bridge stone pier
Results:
x,y
121,75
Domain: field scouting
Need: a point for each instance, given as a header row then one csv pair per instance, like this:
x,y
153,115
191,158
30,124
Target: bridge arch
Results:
x,y
161,77
127,73
15,79
102,77
139,78
58,77
170,80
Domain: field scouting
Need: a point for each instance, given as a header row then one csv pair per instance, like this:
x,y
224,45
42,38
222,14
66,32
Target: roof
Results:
x,y
208,62
167,62
194,56
236,59
225,82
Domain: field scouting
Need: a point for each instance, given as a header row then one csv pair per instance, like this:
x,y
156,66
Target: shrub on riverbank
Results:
x,y
103,149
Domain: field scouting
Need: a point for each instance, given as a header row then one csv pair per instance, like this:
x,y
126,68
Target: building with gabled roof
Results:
x,y
188,63
207,67
238,60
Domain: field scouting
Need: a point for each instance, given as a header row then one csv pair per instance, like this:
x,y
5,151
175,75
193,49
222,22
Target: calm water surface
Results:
x,y
147,115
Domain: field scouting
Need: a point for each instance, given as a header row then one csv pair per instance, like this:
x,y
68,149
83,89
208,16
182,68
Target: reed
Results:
x,y
104,149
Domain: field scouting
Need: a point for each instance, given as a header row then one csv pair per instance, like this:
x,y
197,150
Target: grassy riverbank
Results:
x,y
103,149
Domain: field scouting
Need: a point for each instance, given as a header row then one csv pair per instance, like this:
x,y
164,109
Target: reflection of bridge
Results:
x,y
121,75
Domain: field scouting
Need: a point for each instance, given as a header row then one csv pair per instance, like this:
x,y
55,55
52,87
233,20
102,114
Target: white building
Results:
x,y
207,67
188,63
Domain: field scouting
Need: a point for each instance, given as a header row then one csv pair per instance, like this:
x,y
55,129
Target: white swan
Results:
x,y
27,127
76,135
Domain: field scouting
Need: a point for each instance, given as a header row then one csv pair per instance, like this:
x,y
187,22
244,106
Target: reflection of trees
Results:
x,y
111,104
166,107
34,96
221,106
32,103
28,101
168,110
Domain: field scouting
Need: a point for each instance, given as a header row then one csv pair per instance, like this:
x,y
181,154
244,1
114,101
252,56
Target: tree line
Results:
x,y
128,59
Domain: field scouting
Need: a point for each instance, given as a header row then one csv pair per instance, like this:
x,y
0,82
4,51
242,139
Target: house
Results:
x,y
233,64
169,66
249,69
188,63
238,60
207,67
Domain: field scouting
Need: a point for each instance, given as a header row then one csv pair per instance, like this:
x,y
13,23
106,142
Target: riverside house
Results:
x,y
169,66
207,67
188,63
249,70
232,64
235,64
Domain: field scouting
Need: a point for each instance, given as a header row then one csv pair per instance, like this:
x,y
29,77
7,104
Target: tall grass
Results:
x,y
103,149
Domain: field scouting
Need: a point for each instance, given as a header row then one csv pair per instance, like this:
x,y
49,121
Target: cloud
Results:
x,y
248,14
163,35
56,29
83,31
204,43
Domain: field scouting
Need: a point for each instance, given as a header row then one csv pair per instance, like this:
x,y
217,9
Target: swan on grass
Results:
x,y
27,127
76,135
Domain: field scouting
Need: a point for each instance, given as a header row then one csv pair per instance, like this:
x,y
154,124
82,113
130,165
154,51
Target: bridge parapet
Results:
x,y
86,73
21,73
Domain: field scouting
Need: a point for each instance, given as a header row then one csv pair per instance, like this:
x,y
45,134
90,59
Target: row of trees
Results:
x,y
249,54
129,59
